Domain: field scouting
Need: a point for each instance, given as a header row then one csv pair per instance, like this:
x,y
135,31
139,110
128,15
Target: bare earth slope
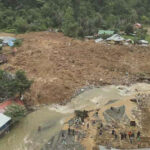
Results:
x,y
60,65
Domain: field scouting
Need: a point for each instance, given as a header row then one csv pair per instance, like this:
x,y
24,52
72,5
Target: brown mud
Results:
x,y
60,65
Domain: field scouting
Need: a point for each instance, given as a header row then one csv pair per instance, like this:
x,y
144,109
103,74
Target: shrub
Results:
x,y
18,42
129,29
70,26
105,36
10,30
1,41
16,112
141,33
21,25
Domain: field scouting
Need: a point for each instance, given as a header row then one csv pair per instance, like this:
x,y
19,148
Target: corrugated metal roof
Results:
x,y
107,32
3,119
116,38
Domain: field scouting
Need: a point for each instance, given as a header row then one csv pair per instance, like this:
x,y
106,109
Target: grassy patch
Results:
x,y
18,42
148,38
129,37
133,37
8,30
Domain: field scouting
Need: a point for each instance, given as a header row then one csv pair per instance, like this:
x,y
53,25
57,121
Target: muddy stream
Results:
x,y
25,135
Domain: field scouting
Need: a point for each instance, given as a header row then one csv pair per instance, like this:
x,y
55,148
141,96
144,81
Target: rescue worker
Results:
x,y
69,131
116,136
100,132
113,132
138,134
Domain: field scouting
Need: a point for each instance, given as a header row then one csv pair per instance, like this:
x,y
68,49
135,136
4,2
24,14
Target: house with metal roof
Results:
x,y
5,122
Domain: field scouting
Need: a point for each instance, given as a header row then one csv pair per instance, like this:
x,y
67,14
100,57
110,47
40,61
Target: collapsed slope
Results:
x,y
60,65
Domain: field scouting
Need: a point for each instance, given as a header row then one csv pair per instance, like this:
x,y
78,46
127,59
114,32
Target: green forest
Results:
x,y
74,18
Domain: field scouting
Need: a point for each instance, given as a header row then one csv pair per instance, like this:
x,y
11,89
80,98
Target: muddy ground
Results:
x,y
60,65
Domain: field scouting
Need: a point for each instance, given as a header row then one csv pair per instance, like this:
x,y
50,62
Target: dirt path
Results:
x,y
60,65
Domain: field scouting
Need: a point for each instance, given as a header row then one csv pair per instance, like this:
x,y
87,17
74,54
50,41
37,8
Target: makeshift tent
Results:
x,y
6,40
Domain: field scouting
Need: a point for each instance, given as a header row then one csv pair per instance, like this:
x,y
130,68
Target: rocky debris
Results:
x,y
146,79
116,114
143,77
3,59
65,141
111,101
134,100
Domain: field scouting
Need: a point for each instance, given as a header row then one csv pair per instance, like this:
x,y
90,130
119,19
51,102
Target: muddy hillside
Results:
x,y
60,65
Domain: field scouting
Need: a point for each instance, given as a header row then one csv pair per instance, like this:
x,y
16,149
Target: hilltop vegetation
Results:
x,y
73,17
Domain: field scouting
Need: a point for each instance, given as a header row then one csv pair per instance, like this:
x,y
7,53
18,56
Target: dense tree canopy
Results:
x,y
73,17
10,84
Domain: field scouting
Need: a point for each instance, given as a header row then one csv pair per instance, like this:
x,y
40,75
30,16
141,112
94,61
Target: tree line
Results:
x,y
12,85
74,18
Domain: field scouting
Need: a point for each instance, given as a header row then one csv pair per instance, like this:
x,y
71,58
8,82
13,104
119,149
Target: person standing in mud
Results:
x,y
88,125
100,132
129,134
125,136
62,135
101,125
14,50
69,131
73,132
113,132
122,136
139,142
131,138
138,134
39,128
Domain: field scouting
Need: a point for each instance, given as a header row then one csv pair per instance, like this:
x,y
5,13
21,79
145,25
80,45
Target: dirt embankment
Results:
x,y
60,65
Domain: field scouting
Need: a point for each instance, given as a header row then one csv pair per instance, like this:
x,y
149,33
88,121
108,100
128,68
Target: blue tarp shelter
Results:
x,y
6,40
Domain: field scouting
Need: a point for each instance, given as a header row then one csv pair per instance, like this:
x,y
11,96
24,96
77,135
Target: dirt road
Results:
x,y
60,65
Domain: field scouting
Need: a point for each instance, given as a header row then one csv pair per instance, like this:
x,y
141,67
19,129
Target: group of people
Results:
x,y
71,131
123,135
130,135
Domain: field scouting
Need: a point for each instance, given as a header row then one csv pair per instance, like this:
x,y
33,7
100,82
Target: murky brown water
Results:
x,y
25,135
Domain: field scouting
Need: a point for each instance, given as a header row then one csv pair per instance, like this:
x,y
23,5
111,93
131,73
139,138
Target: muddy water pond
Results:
x,y
25,135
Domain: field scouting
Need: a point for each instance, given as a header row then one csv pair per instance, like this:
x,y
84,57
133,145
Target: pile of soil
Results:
x,y
60,65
